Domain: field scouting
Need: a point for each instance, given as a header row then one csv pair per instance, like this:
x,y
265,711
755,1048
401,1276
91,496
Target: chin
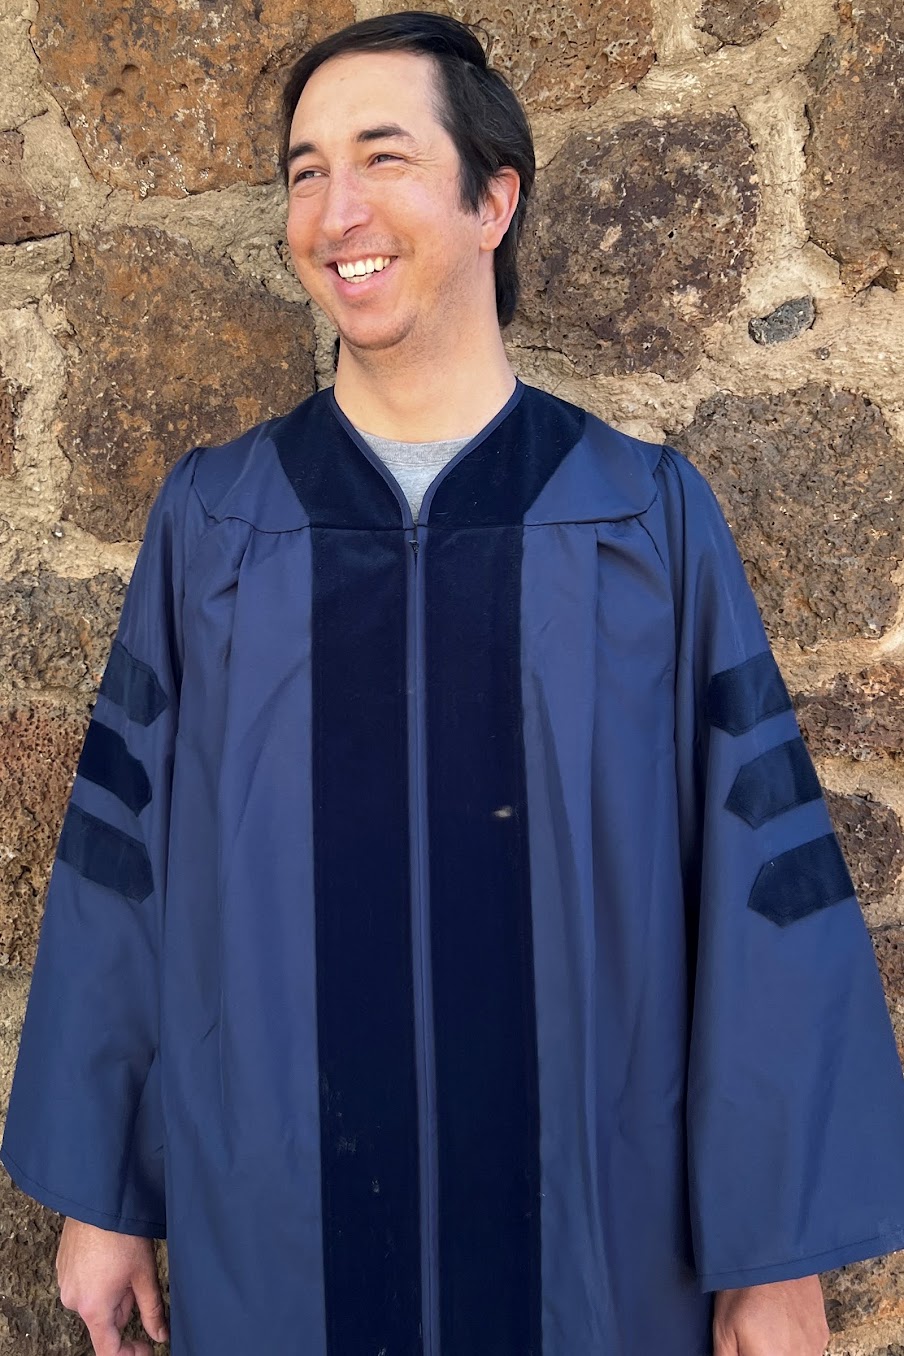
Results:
x,y
371,341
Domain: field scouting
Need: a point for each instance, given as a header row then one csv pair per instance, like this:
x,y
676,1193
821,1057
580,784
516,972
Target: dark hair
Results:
x,y
477,108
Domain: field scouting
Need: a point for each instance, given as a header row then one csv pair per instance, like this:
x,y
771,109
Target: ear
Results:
x,y
499,204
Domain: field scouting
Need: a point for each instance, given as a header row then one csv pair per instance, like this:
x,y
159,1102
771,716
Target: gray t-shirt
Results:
x,y
414,465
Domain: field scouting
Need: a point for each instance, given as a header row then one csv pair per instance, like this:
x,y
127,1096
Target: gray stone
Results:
x,y
785,322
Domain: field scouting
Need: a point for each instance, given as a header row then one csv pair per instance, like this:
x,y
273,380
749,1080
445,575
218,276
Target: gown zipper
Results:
x,y
421,950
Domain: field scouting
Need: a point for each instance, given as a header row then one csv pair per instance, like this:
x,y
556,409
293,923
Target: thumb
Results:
x,y
146,1289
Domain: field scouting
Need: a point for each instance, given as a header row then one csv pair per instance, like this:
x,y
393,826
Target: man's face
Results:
x,y
363,191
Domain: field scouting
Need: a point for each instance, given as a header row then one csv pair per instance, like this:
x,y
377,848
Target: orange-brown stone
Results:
x,y
855,151
176,98
173,349
564,54
867,1290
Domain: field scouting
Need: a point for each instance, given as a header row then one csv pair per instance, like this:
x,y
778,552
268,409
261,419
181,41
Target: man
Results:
x,y
448,944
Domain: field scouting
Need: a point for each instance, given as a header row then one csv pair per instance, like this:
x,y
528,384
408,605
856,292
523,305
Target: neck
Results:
x,y
441,396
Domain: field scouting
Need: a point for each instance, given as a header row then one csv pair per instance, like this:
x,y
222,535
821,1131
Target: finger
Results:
x,y
150,1305
107,1341
105,1338
123,1311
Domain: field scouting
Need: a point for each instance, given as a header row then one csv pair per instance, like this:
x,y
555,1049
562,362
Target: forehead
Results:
x,y
363,88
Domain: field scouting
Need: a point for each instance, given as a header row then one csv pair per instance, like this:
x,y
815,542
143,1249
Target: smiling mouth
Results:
x,y
357,271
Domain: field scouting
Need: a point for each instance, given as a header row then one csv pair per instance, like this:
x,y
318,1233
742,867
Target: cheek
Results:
x,y
298,230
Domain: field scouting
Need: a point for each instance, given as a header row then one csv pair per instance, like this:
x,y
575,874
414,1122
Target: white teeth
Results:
x,y
362,267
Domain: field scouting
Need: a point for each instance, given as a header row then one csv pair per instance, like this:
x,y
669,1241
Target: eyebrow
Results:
x,y
381,133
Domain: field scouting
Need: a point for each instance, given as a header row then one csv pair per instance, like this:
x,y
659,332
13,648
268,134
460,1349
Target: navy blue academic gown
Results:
x,y
448,947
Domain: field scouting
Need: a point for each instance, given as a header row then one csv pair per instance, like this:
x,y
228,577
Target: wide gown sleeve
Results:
x,y
795,1109
84,1129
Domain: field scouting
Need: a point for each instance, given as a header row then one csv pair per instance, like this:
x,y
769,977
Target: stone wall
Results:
x,y
714,257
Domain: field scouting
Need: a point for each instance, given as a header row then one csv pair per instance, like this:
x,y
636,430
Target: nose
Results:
x,y
345,204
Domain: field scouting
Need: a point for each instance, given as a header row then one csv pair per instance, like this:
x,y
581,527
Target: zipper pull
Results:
x,y
413,543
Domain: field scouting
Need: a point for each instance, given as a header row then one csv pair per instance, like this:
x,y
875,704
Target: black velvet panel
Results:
x,y
801,881
105,855
773,783
133,686
335,483
106,761
739,698
365,996
487,1083
498,481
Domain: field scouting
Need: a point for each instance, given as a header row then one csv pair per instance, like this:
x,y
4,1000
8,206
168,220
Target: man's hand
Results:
x,y
785,1318
102,1275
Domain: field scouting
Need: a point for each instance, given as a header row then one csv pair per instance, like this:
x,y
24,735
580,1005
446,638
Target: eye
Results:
x,y
385,155
302,175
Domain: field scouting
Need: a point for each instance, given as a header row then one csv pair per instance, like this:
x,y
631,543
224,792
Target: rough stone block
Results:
x,y
22,215
872,840
855,150
172,350
638,240
811,483
55,632
739,23
172,97
785,322
39,749
563,55
889,947
860,716
865,1290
